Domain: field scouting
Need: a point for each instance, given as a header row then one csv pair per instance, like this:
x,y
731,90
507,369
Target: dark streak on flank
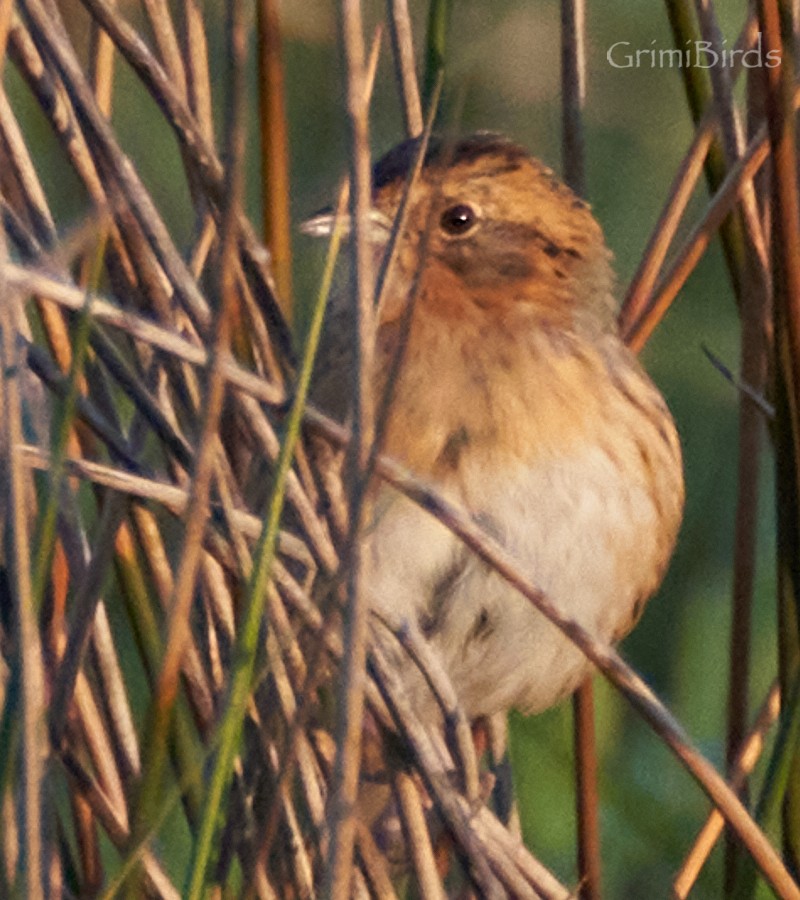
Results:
x,y
457,441
637,609
647,461
432,619
654,413
482,628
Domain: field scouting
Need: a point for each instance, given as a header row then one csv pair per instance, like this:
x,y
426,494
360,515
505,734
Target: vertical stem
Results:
x,y
31,669
573,95
753,360
274,149
587,793
435,42
102,66
777,29
752,310
347,763
5,21
404,66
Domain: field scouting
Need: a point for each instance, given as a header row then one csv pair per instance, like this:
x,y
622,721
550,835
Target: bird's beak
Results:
x,y
321,224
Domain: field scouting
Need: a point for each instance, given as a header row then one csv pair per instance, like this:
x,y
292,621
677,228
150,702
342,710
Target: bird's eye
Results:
x,y
458,219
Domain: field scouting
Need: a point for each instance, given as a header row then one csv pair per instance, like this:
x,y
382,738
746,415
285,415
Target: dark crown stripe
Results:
x,y
396,163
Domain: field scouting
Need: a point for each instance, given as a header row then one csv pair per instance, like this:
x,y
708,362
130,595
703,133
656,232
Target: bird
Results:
x,y
510,391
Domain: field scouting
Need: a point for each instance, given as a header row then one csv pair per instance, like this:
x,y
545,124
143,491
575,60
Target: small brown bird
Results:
x,y
518,399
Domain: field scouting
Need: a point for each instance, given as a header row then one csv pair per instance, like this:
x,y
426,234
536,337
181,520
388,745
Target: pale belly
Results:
x,y
586,534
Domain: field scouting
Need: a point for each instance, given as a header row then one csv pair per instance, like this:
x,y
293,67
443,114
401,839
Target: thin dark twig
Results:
x,y
84,611
758,399
700,96
384,402
780,103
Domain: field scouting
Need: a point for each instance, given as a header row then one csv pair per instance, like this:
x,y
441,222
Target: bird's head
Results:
x,y
488,228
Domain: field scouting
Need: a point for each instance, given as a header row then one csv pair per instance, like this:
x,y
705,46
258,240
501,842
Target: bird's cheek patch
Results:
x,y
479,269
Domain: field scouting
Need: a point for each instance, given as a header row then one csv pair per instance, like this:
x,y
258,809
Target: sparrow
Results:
x,y
511,392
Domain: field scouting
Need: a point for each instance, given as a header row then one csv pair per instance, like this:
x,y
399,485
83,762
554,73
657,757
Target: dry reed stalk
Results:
x,y
405,67
779,28
744,763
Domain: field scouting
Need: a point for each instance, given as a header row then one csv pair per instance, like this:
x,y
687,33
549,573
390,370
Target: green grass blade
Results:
x,y
247,639
435,43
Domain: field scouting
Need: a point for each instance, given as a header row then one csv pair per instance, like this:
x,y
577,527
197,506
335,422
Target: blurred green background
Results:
x,y
503,74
